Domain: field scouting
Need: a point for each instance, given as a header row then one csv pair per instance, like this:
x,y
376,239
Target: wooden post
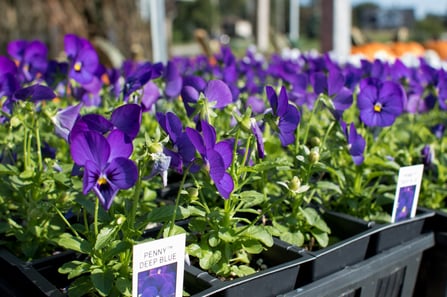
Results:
x,y
335,27
326,25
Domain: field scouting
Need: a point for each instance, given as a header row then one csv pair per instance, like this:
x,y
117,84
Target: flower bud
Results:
x,y
315,141
155,147
295,184
314,156
193,192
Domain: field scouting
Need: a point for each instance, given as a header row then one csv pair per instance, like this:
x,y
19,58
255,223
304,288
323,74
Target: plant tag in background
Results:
x,y
407,192
158,267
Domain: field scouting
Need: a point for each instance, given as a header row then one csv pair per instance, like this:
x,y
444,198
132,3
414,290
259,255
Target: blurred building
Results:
x,y
382,18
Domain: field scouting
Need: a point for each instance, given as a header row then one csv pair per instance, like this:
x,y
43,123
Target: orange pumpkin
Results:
x,y
401,48
439,46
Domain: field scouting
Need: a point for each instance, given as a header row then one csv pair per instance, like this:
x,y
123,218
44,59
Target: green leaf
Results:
x,y
321,237
124,286
76,244
80,287
74,268
259,233
213,239
102,280
314,219
164,213
330,186
252,198
209,259
242,270
116,248
105,236
175,231
252,246
295,238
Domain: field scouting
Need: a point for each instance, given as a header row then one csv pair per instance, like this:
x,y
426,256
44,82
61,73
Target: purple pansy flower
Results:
x,y
137,78
218,156
65,119
82,57
31,58
333,85
173,80
356,143
427,155
258,136
380,102
126,118
183,151
438,130
8,80
288,114
215,91
107,168
34,93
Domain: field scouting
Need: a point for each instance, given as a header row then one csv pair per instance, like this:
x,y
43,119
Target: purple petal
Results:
x,y
209,135
185,148
16,49
288,124
91,146
259,139
218,91
120,144
7,66
122,172
392,96
72,45
319,82
35,93
91,174
196,139
151,94
173,126
357,145
272,97
173,80
343,99
225,149
95,122
336,82
197,82
225,185
283,102
127,118
217,165
65,119
190,96
257,105
105,194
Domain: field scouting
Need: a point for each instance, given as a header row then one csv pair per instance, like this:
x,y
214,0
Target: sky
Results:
x,y
421,7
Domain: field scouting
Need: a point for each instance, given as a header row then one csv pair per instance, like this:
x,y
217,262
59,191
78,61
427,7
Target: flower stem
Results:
x,y
135,198
177,202
38,146
95,219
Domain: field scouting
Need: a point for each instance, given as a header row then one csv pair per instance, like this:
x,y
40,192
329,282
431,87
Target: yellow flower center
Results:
x,y
378,107
102,181
77,66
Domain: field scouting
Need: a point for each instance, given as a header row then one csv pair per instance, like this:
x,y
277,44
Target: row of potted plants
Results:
x,y
246,151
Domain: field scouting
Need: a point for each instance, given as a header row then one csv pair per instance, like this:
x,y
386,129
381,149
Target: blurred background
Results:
x,y
122,28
